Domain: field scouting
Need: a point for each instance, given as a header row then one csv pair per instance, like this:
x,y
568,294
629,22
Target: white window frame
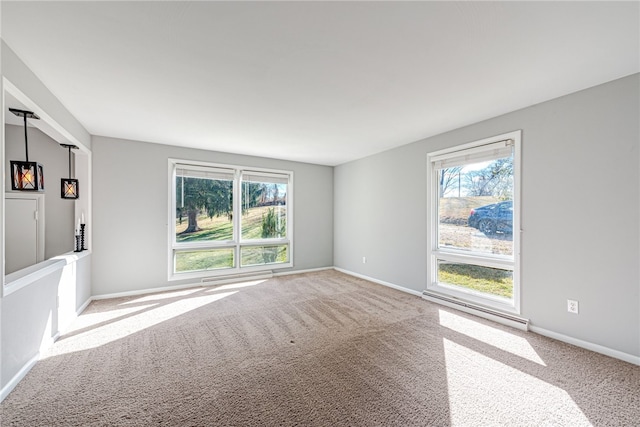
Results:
x,y
475,150
237,241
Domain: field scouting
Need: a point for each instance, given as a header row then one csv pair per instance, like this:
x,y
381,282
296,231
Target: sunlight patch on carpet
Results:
x,y
128,325
161,296
503,340
236,285
87,320
482,388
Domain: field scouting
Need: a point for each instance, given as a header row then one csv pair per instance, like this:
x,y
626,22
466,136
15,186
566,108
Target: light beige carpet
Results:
x,y
317,349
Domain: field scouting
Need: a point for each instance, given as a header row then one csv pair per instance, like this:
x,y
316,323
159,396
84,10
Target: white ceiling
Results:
x,y
322,82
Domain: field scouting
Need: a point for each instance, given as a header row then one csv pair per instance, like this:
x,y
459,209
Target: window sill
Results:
x,y
500,316
470,296
229,273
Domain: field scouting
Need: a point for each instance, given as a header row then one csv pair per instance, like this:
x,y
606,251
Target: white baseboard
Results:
x,y
83,306
222,280
18,377
148,291
532,328
308,270
587,345
380,282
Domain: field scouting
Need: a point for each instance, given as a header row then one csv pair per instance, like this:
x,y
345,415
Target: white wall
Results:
x,y
130,209
59,213
34,315
580,204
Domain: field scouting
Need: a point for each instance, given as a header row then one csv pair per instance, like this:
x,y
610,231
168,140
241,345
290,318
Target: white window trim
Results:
x,y
433,253
237,242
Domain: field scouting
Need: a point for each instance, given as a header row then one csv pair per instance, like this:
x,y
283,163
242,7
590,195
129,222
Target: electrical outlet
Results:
x,y
572,306
364,259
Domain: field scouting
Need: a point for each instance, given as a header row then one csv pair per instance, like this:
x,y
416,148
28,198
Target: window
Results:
x,y
226,219
474,222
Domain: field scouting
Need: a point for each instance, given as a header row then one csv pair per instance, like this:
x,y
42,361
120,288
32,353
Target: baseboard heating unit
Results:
x,y
478,310
221,280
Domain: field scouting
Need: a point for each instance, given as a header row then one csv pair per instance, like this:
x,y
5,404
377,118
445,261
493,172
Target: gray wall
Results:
x,y
59,213
580,212
130,209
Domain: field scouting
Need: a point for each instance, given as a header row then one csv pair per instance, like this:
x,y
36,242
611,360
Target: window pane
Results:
x,y
264,209
208,259
259,255
493,281
475,207
204,208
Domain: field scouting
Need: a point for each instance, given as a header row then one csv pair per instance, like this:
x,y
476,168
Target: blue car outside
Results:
x,y
494,218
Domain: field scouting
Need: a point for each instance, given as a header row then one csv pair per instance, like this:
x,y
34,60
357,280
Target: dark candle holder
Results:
x,y
78,247
82,248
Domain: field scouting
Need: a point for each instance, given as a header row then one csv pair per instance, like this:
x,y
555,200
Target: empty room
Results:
x,y
320,213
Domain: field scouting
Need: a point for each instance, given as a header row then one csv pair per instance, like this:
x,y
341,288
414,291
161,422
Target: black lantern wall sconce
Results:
x,y
69,186
26,176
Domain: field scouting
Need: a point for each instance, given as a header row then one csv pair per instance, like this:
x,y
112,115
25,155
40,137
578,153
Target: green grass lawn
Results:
x,y
259,255
210,259
220,229
483,279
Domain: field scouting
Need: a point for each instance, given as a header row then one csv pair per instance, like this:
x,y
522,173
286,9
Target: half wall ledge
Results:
x,y
15,281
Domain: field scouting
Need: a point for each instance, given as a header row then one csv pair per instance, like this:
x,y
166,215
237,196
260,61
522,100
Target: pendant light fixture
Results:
x,y
69,186
26,176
